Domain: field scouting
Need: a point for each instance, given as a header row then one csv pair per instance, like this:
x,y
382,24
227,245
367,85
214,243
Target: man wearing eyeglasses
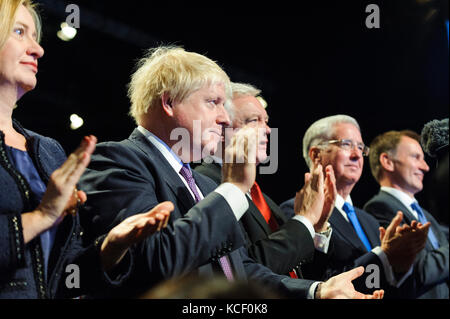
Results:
x,y
357,237
397,163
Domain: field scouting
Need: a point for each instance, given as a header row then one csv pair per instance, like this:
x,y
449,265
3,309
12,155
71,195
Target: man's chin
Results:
x,y
261,158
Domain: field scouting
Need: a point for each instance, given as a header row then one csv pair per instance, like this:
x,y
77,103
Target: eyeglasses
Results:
x,y
349,145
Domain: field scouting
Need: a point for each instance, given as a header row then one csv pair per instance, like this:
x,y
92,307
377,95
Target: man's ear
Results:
x,y
166,103
314,154
386,162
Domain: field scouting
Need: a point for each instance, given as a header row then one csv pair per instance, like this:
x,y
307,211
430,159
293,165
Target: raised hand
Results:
x,y
131,231
330,194
62,182
402,243
58,199
341,287
309,201
239,166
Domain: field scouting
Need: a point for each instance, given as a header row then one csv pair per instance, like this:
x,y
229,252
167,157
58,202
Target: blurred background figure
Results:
x,y
217,287
434,140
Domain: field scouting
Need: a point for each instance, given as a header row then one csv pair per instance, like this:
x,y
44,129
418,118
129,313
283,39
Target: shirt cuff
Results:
x,y
305,221
312,290
322,241
234,197
386,265
388,268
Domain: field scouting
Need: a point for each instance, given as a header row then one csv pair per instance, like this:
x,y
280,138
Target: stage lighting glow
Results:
x,y
75,122
66,33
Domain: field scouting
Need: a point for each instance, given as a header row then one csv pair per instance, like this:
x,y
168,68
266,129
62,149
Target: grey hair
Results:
x,y
243,89
321,131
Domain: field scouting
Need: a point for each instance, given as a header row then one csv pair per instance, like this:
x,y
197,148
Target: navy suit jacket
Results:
x,y
431,267
21,265
132,176
282,250
349,252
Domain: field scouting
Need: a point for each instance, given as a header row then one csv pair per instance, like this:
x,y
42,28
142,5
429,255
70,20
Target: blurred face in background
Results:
x,y
248,111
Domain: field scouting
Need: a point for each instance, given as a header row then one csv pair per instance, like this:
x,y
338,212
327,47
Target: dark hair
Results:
x,y
386,143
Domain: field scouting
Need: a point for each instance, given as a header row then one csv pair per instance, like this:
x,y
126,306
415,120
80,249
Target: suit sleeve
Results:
x,y
381,211
119,184
285,285
431,267
288,208
285,249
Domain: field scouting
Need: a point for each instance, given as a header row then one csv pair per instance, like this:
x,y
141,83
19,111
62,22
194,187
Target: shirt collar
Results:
x,y
339,203
217,160
165,150
401,196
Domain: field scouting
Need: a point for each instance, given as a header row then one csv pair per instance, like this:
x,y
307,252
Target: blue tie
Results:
x,y
424,220
356,225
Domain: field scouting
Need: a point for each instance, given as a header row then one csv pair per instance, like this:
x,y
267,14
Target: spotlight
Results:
x,y
75,122
67,32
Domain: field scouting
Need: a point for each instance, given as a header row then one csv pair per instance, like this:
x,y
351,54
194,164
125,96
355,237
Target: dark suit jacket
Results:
x,y
132,176
283,250
349,252
21,265
431,267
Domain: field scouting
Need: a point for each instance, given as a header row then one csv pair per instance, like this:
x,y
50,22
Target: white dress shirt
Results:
x,y
376,250
231,193
404,198
321,241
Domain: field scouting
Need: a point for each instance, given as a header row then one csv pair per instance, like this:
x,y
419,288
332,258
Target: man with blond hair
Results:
x,y
178,102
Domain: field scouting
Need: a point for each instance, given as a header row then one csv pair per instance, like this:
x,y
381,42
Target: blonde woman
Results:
x,y
37,238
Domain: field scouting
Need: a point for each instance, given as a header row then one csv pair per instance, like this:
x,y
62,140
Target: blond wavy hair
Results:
x,y
8,11
174,71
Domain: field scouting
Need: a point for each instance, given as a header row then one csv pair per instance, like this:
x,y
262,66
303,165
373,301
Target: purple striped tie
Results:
x,y
187,174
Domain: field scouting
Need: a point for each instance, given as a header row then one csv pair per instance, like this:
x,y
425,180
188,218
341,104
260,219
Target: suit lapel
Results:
x,y
252,209
368,227
408,217
256,214
397,205
169,175
345,229
205,185
276,210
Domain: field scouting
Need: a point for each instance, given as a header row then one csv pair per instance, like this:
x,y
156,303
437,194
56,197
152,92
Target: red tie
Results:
x,y
261,204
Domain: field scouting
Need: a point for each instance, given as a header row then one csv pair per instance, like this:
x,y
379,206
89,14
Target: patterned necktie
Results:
x,y
264,209
187,174
424,220
356,225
